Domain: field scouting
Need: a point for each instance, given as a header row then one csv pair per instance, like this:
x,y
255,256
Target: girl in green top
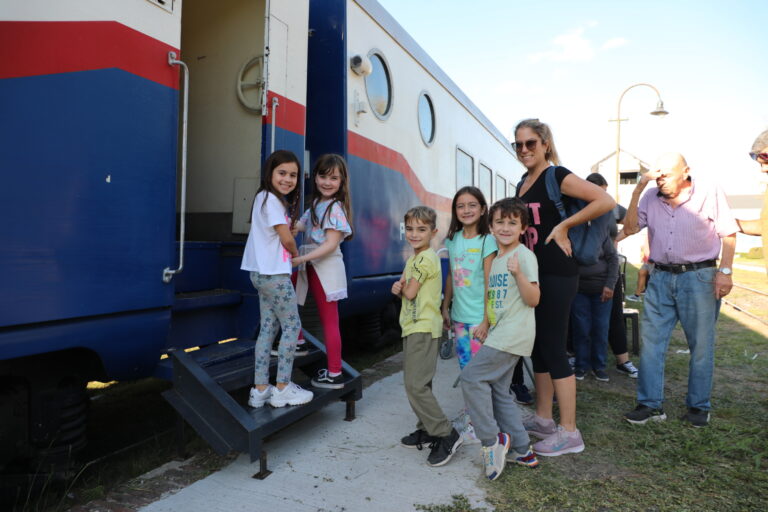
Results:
x,y
471,249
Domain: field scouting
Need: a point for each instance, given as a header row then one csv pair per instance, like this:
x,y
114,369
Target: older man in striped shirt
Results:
x,y
688,222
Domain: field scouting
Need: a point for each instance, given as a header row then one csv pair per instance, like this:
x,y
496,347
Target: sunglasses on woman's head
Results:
x,y
761,156
530,145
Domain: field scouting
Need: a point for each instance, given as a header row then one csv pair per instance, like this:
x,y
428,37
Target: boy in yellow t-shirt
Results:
x,y
420,288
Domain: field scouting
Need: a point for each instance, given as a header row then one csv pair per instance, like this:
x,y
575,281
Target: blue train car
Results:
x,y
114,169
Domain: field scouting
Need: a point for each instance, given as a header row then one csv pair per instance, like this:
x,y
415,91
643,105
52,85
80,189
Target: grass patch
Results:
x,y
666,466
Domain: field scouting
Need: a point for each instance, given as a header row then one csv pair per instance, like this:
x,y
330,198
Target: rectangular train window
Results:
x,y
465,166
484,178
501,188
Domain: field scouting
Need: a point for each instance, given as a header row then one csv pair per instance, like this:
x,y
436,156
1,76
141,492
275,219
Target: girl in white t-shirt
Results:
x,y
327,223
267,257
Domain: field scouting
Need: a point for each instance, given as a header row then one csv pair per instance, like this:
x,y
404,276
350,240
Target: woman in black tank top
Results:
x,y
547,237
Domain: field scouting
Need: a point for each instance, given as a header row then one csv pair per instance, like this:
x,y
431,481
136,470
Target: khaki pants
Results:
x,y
420,350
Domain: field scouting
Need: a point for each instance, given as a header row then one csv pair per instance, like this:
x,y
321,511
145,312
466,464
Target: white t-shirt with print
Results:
x,y
263,251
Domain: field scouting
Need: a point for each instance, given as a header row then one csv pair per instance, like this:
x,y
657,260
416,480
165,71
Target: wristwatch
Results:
x,y
725,271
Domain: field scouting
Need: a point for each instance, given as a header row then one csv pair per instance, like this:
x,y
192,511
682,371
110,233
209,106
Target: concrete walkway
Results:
x,y
323,463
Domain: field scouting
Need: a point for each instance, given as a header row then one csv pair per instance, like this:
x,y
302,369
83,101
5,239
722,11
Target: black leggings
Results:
x,y
617,331
552,313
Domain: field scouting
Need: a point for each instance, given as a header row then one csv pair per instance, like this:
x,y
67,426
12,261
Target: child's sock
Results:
x,y
334,374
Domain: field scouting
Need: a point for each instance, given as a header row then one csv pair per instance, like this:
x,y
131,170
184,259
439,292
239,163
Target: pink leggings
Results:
x,y
329,317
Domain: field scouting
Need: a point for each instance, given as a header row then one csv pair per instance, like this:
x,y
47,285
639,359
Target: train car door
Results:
x,y
89,128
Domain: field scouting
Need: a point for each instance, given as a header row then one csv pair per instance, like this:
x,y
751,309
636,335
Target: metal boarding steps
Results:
x,y
202,382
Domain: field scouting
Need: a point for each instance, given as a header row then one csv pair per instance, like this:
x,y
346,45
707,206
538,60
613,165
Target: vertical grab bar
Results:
x,y
275,104
167,272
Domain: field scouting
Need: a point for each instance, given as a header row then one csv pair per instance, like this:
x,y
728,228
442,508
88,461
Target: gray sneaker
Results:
x,y
537,426
560,443
495,457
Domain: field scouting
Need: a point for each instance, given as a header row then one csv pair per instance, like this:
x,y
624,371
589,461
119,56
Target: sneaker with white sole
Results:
x,y
443,449
292,394
258,398
527,459
628,369
325,380
537,426
634,298
642,414
495,457
560,443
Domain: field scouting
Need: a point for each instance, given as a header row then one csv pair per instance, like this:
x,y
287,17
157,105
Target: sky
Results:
x,y
567,63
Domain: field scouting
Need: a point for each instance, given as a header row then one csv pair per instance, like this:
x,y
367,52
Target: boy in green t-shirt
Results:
x,y
513,292
420,288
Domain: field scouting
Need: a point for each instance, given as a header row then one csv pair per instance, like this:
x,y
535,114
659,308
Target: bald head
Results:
x,y
673,175
671,161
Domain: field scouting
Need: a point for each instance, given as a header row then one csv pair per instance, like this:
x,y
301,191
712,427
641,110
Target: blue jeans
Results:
x,y
590,319
687,297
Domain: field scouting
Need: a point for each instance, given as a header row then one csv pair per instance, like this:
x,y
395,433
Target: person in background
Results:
x,y
688,223
759,227
591,310
617,329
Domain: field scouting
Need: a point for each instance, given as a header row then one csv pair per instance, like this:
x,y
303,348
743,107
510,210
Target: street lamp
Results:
x,y
658,111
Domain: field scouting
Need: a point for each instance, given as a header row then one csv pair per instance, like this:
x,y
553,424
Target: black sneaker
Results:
x,y
579,374
324,380
643,413
444,448
628,369
696,417
601,375
522,395
302,349
418,439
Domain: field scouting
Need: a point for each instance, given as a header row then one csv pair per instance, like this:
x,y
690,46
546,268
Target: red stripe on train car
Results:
x,y
369,150
290,116
32,48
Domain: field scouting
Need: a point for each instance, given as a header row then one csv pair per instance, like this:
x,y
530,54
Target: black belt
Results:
x,y
679,268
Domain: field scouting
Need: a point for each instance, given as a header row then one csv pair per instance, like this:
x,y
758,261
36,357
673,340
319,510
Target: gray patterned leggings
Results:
x,y
278,309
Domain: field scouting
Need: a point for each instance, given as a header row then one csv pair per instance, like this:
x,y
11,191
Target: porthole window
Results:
x,y
426,118
378,86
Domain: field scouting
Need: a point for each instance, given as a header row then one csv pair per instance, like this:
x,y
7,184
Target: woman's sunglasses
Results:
x,y
530,145
755,156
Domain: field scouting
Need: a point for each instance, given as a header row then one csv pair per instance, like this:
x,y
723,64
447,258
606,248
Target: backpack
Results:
x,y
586,239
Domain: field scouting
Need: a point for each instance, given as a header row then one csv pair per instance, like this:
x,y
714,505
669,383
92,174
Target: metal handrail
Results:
x,y
167,272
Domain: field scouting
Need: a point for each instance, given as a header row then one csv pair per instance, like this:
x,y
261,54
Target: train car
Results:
x,y
133,134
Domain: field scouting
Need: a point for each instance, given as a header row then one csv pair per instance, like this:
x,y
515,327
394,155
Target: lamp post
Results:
x,y
658,111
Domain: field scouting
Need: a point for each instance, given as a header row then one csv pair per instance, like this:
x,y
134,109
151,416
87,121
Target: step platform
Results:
x,y
206,394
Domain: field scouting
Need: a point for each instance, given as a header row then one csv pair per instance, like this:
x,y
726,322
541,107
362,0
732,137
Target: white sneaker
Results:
x,y
292,394
259,398
495,457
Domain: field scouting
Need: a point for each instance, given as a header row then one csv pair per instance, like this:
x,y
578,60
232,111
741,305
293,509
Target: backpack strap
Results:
x,y
553,191
520,184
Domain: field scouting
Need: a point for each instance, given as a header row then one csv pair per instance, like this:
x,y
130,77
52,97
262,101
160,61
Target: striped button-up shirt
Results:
x,y
689,232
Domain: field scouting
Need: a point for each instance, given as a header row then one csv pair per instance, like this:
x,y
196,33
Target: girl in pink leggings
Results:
x,y
327,222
